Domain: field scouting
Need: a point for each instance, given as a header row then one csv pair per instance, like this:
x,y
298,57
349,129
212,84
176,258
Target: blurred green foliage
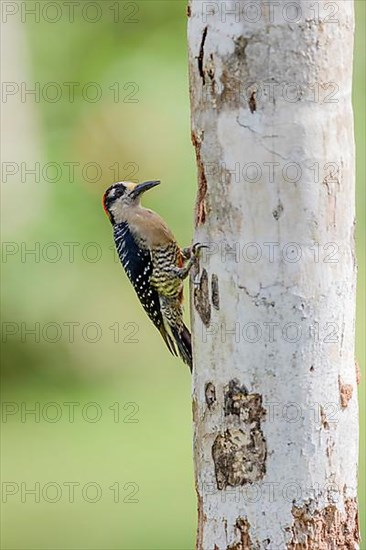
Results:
x,y
152,138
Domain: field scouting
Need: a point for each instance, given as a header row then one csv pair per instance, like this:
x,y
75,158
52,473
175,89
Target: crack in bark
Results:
x,y
200,216
260,137
253,296
262,301
215,297
201,55
201,520
252,102
323,419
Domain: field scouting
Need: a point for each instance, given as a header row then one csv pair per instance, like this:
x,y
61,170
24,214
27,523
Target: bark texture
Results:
x,y
273,300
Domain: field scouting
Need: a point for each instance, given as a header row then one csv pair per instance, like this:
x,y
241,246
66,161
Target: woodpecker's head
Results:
x,y
122,195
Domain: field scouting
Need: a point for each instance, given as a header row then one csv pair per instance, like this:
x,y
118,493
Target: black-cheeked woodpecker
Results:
x,y
153,261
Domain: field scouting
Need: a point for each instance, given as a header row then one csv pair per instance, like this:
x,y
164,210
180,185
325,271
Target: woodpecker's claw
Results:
x,y
196,249
192,252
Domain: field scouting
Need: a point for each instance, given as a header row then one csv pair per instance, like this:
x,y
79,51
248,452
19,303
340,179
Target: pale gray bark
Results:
x,y
273,303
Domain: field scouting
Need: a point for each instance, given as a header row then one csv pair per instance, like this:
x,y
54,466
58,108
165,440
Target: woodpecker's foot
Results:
x,y
191,254
186,253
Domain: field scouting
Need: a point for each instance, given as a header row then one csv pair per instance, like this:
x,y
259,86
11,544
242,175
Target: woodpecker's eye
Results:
x,y
120,191
115,192
112,194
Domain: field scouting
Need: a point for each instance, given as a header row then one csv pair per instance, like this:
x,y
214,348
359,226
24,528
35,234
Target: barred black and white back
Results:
x,y
138,266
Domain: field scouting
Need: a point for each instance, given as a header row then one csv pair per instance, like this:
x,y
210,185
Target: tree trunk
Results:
x,y
273,300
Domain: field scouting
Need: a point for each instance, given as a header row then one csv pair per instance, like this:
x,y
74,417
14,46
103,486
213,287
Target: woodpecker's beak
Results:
x,y
142,187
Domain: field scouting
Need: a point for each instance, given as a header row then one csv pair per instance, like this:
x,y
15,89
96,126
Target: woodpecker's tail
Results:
x,y
168,340
183,341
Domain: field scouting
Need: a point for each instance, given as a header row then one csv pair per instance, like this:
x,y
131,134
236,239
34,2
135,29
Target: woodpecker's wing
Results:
x,y
138,266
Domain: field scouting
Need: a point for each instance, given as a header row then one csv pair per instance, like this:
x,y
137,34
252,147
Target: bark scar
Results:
x,y
239,455
345,392
277,212
215,291
242,525
252,102
201,299
202,181
210,394
358,373
201,55
317,528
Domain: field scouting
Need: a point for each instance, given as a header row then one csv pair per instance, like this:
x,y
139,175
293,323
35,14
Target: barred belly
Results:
x,y
166,282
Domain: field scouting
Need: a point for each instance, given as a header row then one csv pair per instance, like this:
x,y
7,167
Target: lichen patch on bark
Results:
x,y
248,406
239,457
324,529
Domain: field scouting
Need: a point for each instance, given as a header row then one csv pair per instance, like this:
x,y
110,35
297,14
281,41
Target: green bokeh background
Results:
x,y
154,135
